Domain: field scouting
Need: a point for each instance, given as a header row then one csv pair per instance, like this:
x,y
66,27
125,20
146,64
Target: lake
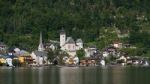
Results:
x,y
75,75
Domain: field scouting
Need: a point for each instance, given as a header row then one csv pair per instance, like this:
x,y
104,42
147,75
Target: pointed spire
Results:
x,y
62,31
41,47
40,37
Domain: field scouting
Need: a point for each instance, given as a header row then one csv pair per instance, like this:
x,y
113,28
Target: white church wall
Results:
x,y
70,47
62,39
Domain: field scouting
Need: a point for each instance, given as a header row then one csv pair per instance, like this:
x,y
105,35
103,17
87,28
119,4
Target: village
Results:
x,y
69,53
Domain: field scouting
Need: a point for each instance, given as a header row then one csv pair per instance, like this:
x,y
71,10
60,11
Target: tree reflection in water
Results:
x,y
75,75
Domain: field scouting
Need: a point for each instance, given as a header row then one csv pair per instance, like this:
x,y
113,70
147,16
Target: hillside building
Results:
x,y
69,45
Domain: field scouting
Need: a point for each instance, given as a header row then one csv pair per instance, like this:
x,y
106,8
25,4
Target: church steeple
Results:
x,y
41,47
62,37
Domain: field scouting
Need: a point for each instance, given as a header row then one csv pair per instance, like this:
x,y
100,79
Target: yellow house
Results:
x,y
25,59
21,59
2,60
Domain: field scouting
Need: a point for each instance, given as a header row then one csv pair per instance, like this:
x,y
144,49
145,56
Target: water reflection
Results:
x,y
9,78
70,75
89,75
40,75
118,75
75,75
104,75
83,75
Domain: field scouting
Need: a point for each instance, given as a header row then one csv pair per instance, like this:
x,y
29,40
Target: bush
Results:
x,y
81,53
16,62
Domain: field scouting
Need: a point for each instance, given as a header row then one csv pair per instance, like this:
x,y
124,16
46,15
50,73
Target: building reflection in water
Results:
x,y
74,75
92,75
10,77
40,75
53,76
70,75
104,75
79,75
45,76
89,75
118,75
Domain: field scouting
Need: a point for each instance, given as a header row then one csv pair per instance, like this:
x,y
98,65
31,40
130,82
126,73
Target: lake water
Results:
x,y
75,75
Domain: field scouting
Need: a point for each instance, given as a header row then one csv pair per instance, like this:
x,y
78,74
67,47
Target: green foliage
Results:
x,y
106,37
80,18
141,39
110,58
147,54
80,53
133,51
50,55
16,62
53,54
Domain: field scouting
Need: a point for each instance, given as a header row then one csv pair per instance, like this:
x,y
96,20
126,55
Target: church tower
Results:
x,y
41,47
62,37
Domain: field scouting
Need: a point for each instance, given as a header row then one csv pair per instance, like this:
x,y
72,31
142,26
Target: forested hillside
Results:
x,y
22,20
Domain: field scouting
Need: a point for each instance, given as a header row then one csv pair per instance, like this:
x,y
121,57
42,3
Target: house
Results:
x,y
24,57
117,44
71,60
2,59
40,55
105,54
69,45
52,45
110,51
90,51
2,46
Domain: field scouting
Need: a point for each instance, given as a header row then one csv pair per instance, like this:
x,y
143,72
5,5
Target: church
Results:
x,y
68,44
40,55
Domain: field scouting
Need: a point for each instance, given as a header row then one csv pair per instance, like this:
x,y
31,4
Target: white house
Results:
x,y
105,54
9,61
117,44
90,51
50,46
40,56
69,45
